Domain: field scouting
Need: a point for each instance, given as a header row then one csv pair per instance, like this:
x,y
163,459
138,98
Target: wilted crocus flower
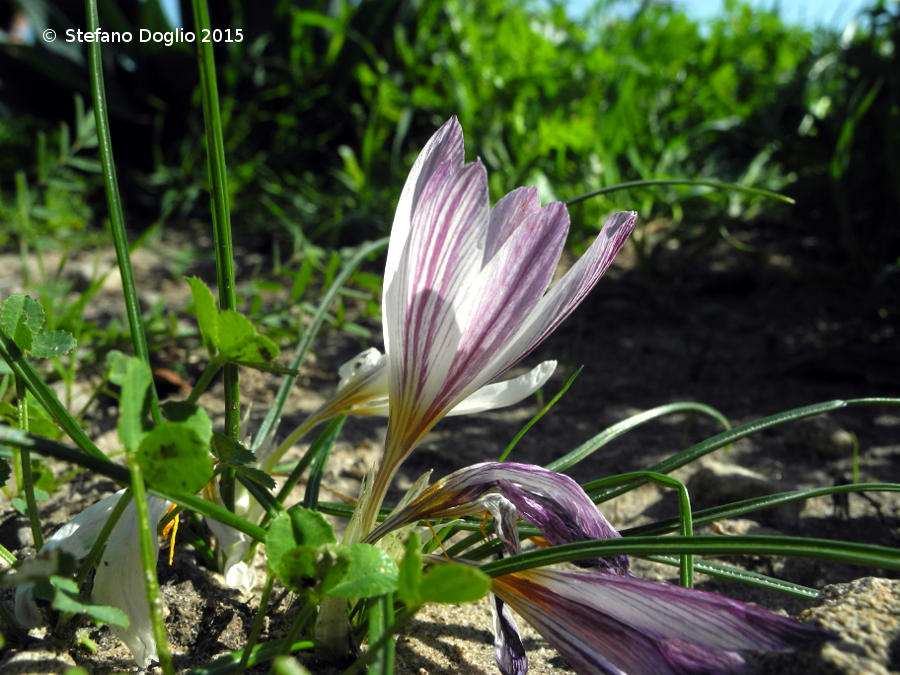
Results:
x,y
464,290
119,579
598,615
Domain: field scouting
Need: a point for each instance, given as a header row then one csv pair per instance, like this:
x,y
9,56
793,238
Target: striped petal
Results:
x,y
551,501
565,295
619,623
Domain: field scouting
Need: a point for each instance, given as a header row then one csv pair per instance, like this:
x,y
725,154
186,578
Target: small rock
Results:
x,y
866,615
717,483
822,435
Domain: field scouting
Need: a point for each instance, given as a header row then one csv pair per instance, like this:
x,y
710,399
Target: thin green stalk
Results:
x,y
720,440
114,202
759,192
303,616
619,428
23,468
801,547
381,611
400,620
148,561
540,414
120,474
256,628
745,506
203,381
328,436
221,216
684,508
8,557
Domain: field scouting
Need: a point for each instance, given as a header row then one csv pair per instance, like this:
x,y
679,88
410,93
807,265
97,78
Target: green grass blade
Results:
x,y
114,202
616,430
540,414
745,506
822,549
716,569
323,445
599,494
759,192
221,217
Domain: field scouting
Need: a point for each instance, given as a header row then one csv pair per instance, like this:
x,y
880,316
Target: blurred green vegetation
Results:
x,y
326,102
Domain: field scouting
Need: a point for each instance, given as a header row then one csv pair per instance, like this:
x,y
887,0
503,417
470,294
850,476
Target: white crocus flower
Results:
x,y
119,579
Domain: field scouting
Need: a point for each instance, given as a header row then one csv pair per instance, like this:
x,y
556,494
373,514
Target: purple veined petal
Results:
x,y
443,252
553,502
567,293
502,294
506,215
508,649
667,612
657,627
444,147
585,637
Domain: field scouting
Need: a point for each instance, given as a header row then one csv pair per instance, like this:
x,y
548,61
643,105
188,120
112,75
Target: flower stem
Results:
x,y
221,216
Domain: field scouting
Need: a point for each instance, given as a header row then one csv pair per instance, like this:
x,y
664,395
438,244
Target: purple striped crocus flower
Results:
x,y
598,615
466,290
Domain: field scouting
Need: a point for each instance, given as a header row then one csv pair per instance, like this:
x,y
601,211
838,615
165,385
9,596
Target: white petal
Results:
x,y
119,581
509,392
445,146
76,538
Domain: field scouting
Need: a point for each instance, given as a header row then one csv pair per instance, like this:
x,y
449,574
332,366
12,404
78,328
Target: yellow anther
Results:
x,y
170,530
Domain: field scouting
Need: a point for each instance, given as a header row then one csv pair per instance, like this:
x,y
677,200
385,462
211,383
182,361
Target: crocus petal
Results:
x,y
443,255
506,393
619,623
566,294
506,215
119,580
508,649
444,147
551,501
506,289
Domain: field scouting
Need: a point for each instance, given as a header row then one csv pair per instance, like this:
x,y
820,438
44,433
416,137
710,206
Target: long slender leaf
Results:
x,y
822,549
616,430
599,494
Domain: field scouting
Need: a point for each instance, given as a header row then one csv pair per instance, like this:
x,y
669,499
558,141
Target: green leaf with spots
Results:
x,y
21,318
454,583
52,343
240,341
297,527
193,417
295,544
173,457
207,314
371,572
